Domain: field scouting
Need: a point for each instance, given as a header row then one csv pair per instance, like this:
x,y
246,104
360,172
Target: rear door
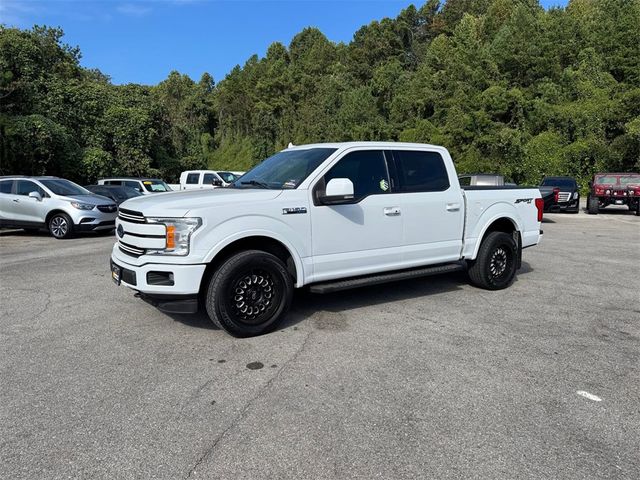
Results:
x,y
192,181
432,207
6,201
361,237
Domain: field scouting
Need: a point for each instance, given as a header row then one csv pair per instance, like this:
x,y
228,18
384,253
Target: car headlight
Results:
x,y
575,195
82,206
178,234
608,192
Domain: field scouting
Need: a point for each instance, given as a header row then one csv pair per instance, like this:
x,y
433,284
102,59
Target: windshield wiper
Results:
x,y
256,183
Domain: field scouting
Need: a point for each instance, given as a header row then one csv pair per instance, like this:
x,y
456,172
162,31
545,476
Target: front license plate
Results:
x,y
618,202
115,273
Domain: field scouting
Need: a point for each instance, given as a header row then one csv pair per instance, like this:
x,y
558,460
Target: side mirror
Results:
x,y
216,182
338,190
35,195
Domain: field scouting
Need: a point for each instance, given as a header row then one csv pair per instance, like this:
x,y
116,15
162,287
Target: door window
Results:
x,y
25,187
420,171
208,178
366,169
133,184
5,186
192,178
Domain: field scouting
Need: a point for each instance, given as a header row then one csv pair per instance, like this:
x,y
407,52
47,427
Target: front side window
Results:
x,y
208,178
284,170
366,169
627,180
25,187
228,177
132,184
420,171
192,178
5,186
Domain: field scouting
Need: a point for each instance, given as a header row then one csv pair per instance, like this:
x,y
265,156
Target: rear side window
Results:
x,y
5,186
192,178
208,178
465,181
133,184
366,169
113,182
25,187
420,171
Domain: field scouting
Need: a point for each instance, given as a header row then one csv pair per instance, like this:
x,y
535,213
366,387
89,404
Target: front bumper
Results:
x,y
557,207
91,226
88,220
159,278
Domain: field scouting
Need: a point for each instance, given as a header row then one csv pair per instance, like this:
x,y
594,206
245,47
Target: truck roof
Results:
x,y
387,145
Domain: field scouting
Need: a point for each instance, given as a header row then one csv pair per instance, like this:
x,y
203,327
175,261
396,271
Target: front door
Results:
x,y
25,208
365,235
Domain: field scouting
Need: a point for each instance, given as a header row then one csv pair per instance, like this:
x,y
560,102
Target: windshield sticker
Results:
x,y
384,185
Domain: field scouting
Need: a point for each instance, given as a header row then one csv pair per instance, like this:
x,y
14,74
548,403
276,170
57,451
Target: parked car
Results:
x,y
560,194
54,203
614,189
114,192
145,186
199,179
331,216
483,179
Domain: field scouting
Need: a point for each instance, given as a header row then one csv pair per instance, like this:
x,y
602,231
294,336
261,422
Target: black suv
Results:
x,y
560,194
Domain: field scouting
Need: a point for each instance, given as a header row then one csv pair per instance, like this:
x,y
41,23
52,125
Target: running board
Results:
x,y
375,279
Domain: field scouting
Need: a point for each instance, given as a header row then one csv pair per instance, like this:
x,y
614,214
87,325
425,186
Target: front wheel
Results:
x,y
495,266
61,226
249,293
593,205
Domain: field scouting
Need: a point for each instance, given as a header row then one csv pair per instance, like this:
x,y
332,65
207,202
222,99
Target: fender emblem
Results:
x,y
524,200
294,210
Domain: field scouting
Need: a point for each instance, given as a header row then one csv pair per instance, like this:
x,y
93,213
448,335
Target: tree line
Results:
x,y
506,85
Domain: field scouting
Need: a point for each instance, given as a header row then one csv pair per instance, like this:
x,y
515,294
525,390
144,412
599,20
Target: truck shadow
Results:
x,y
306,304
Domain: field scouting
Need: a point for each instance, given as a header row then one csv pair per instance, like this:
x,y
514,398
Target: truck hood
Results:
x,y
178,204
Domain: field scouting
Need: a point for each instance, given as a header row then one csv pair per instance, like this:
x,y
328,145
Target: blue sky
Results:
x,y
141,41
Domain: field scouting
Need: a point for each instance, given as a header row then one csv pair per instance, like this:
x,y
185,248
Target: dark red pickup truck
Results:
x,y
614,189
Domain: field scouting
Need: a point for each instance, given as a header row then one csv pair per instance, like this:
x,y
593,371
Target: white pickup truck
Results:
x,y
329,216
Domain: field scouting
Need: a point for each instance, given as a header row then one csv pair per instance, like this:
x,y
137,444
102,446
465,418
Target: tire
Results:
x,y
638,209
593,205
249,293
495,266
61,226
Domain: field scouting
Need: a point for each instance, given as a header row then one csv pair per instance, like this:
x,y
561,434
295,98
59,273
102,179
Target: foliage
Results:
x,y
506,85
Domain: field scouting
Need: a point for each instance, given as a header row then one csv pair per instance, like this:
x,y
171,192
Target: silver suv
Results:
x,y
53,203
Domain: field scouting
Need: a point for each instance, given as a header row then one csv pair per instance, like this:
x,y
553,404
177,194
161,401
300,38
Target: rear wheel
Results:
x,y
249,293
593,205
495,266
61,226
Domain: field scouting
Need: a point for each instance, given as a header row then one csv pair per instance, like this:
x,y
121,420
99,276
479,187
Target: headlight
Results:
x,y
575,195
608,192
178,234
82,206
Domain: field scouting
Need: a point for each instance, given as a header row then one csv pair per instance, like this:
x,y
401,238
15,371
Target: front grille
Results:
x,y
564,196
131,216
130,249
107,208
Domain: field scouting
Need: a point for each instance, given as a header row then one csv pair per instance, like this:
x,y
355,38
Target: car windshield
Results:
x,y
156,186
559,182
60,186
284,170
606,180
630,180
228,177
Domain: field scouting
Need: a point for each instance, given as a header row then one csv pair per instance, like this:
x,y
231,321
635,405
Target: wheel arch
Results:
x,y
500,223
257,241
54,212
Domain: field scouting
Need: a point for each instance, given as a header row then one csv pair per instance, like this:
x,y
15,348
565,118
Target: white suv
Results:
x,y
54,203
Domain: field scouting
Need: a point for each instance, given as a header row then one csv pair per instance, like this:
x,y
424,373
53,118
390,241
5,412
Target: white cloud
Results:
x,y
134,9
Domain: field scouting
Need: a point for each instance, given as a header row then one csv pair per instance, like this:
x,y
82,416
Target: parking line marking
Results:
x,y
588,395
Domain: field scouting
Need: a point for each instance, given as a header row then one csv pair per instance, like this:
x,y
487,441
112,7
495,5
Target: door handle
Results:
x,y
16,200
392,211
453,207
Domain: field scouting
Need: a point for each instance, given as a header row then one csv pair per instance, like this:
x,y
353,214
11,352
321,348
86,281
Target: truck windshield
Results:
x,y
284,170
606,180
630,180
60,186
156,186
559,182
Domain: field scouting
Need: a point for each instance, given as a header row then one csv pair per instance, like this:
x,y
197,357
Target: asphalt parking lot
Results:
x,y
418,379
